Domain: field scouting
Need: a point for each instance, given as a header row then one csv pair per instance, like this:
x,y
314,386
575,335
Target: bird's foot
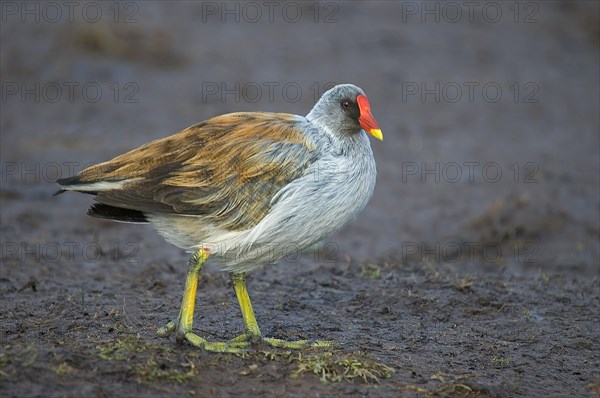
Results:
x,y
231,346
237,344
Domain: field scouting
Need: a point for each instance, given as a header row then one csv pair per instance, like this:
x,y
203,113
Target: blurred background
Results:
x,y
489,111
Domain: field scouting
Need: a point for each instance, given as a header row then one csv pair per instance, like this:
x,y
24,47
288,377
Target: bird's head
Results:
x,y
345,109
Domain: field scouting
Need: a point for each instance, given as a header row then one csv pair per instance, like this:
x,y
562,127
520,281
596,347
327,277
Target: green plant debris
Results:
x,y
4,359
332,368
63,369
370,271
266,355
19,355
122,348
16,356
152,371
500,361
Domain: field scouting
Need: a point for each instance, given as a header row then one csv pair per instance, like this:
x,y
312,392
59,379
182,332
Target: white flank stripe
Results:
x,y
98,186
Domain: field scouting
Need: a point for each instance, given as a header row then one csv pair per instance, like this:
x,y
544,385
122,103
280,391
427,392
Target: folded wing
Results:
x,y
226,170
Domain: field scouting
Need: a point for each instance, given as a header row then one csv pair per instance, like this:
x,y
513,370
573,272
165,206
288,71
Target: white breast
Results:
x,y
332,192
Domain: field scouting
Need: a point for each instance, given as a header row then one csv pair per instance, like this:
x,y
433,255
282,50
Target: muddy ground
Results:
x,y
473,271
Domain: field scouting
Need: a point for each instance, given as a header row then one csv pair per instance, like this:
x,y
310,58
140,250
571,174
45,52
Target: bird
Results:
x,y
243,189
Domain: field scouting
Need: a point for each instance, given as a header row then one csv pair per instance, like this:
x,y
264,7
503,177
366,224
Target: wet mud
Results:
x,y
473,271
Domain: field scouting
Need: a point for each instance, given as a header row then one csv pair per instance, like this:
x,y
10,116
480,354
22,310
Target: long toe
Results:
x,y
299,344
167,330
232,346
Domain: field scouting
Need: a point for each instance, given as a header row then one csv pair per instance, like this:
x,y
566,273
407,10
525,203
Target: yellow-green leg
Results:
x,y
252,330
238,280
183,326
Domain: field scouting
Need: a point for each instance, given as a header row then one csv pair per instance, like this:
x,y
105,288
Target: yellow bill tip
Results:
x,y
377,134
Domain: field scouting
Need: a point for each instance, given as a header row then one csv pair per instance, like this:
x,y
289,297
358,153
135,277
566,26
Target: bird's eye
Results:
x,y
345,104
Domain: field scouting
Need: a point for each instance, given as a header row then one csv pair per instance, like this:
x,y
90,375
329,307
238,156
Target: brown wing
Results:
x,y
226,169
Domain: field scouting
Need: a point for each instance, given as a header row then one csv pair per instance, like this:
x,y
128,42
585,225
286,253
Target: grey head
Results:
x,y
344,111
